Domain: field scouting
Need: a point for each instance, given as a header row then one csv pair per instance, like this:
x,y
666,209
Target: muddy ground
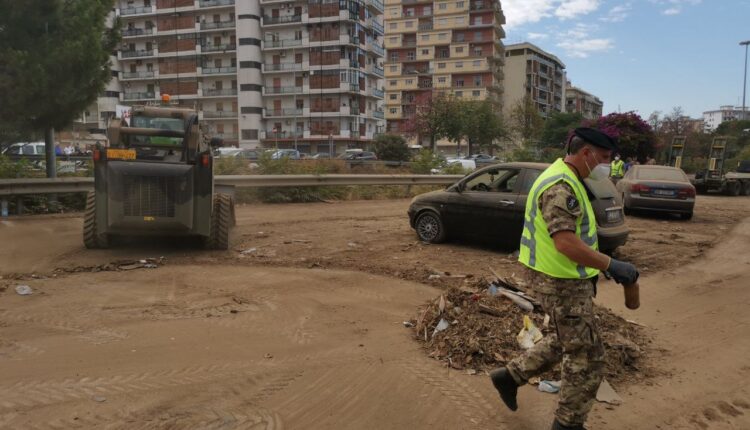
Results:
x,y
300,326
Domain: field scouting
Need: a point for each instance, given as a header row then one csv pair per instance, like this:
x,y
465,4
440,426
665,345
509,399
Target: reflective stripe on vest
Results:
x,y
537,242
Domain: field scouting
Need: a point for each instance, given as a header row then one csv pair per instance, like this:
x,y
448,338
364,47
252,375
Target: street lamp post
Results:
x,y
744,79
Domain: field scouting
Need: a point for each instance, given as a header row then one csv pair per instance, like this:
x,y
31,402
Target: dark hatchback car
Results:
x,y
489,204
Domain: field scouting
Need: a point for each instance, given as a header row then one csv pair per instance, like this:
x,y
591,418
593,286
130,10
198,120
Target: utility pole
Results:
x,y
744,79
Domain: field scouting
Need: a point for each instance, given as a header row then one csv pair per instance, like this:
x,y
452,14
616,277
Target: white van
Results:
x,y
25,148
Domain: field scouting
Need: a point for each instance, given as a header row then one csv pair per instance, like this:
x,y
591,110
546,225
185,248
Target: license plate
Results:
x,y
669,193
613,215
121,154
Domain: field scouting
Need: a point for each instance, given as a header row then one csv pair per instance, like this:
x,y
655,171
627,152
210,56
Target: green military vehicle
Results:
x,y
715,177
156,179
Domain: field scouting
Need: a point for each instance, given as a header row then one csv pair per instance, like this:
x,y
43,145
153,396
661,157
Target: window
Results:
x,y
443,21
443,6
409,24
410,82
459,4
459,37
476,93
409,12
477,63
459,83
393,96
459,20
393,110
393,25
425,37
442,36
477,35
478,52
459,64
441,79
393,39
394,56
477,81
410,55
459,93
425,52
393,68
441,65
392,83
459,49
249,134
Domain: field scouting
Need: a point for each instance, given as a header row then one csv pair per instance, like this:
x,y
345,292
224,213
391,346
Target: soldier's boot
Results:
x,y
506,386
557,426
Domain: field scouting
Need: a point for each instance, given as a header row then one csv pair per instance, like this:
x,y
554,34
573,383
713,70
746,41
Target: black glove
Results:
x,y
622,272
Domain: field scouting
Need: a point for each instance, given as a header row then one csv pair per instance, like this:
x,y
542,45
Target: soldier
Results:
x,y
616,170
559,247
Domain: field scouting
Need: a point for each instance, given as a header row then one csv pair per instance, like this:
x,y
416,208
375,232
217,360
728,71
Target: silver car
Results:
x,y
657,188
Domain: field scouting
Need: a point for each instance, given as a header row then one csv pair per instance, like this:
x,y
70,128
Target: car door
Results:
x,y
484,208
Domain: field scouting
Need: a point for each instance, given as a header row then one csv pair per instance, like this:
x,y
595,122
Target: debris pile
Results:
x,y
479,328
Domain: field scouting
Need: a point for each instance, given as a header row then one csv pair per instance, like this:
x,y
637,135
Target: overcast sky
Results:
x,y
642,55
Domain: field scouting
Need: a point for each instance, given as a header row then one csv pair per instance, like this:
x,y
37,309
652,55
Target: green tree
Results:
x,y
429,117
482,126
525,121
557,128
54,62
391,147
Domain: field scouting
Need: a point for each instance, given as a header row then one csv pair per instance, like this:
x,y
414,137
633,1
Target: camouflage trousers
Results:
x,y
572,338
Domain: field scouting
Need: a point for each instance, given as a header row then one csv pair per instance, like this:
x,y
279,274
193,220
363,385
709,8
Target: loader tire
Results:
x,y
733,189
746,188
90,239
221,221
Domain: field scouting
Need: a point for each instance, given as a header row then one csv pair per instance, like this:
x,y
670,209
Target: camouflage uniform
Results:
x,y
573,337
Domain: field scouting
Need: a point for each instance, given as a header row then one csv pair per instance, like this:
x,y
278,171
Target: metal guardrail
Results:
x,y
25,186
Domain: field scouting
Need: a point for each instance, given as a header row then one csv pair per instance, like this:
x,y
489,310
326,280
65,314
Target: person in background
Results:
x,y
616,170
628,164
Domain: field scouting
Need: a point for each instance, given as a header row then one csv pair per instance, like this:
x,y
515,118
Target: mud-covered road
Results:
x,y
299,326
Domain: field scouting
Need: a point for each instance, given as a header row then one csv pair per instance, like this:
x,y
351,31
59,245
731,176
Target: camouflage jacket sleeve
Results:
x,y
560,208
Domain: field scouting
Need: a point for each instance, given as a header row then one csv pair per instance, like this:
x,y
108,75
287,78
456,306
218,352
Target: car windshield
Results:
x,y
661,175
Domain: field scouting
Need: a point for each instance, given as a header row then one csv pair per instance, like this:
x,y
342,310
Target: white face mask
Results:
x,y
598,172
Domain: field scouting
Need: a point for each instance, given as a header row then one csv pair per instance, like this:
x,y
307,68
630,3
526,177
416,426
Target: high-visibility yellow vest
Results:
x,y
538,250
616,168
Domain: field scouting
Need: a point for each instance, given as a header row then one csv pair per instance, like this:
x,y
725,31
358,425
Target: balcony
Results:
x,y
287,43
378,71
138,53
281,67
377,26
218,93
283,112
379,114
137,75
425,26
135,10
376,4
132,32
374,47
377,92
217,25
218,70
214,3
219,114
269,20
282,90
137,96
283,134
218,48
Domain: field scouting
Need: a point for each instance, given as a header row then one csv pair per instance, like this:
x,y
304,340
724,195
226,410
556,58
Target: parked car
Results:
x,y
657,188
491,202
358,156
320,156
285,153
25,148
466,163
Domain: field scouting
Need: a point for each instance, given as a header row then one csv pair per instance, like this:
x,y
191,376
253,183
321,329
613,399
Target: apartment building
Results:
x,y
322,74
260,72
713,118
580,101
440,47
534,73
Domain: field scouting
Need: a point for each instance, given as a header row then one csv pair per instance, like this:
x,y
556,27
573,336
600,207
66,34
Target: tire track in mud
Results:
x,y
472,404
63,323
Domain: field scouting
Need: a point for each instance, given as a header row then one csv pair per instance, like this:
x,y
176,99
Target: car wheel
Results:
x,y
686,216
429,227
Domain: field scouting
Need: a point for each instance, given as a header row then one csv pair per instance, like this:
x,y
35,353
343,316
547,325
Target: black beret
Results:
x,y
596,138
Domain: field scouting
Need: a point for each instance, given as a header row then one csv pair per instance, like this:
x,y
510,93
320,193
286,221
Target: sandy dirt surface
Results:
x,y
300,326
